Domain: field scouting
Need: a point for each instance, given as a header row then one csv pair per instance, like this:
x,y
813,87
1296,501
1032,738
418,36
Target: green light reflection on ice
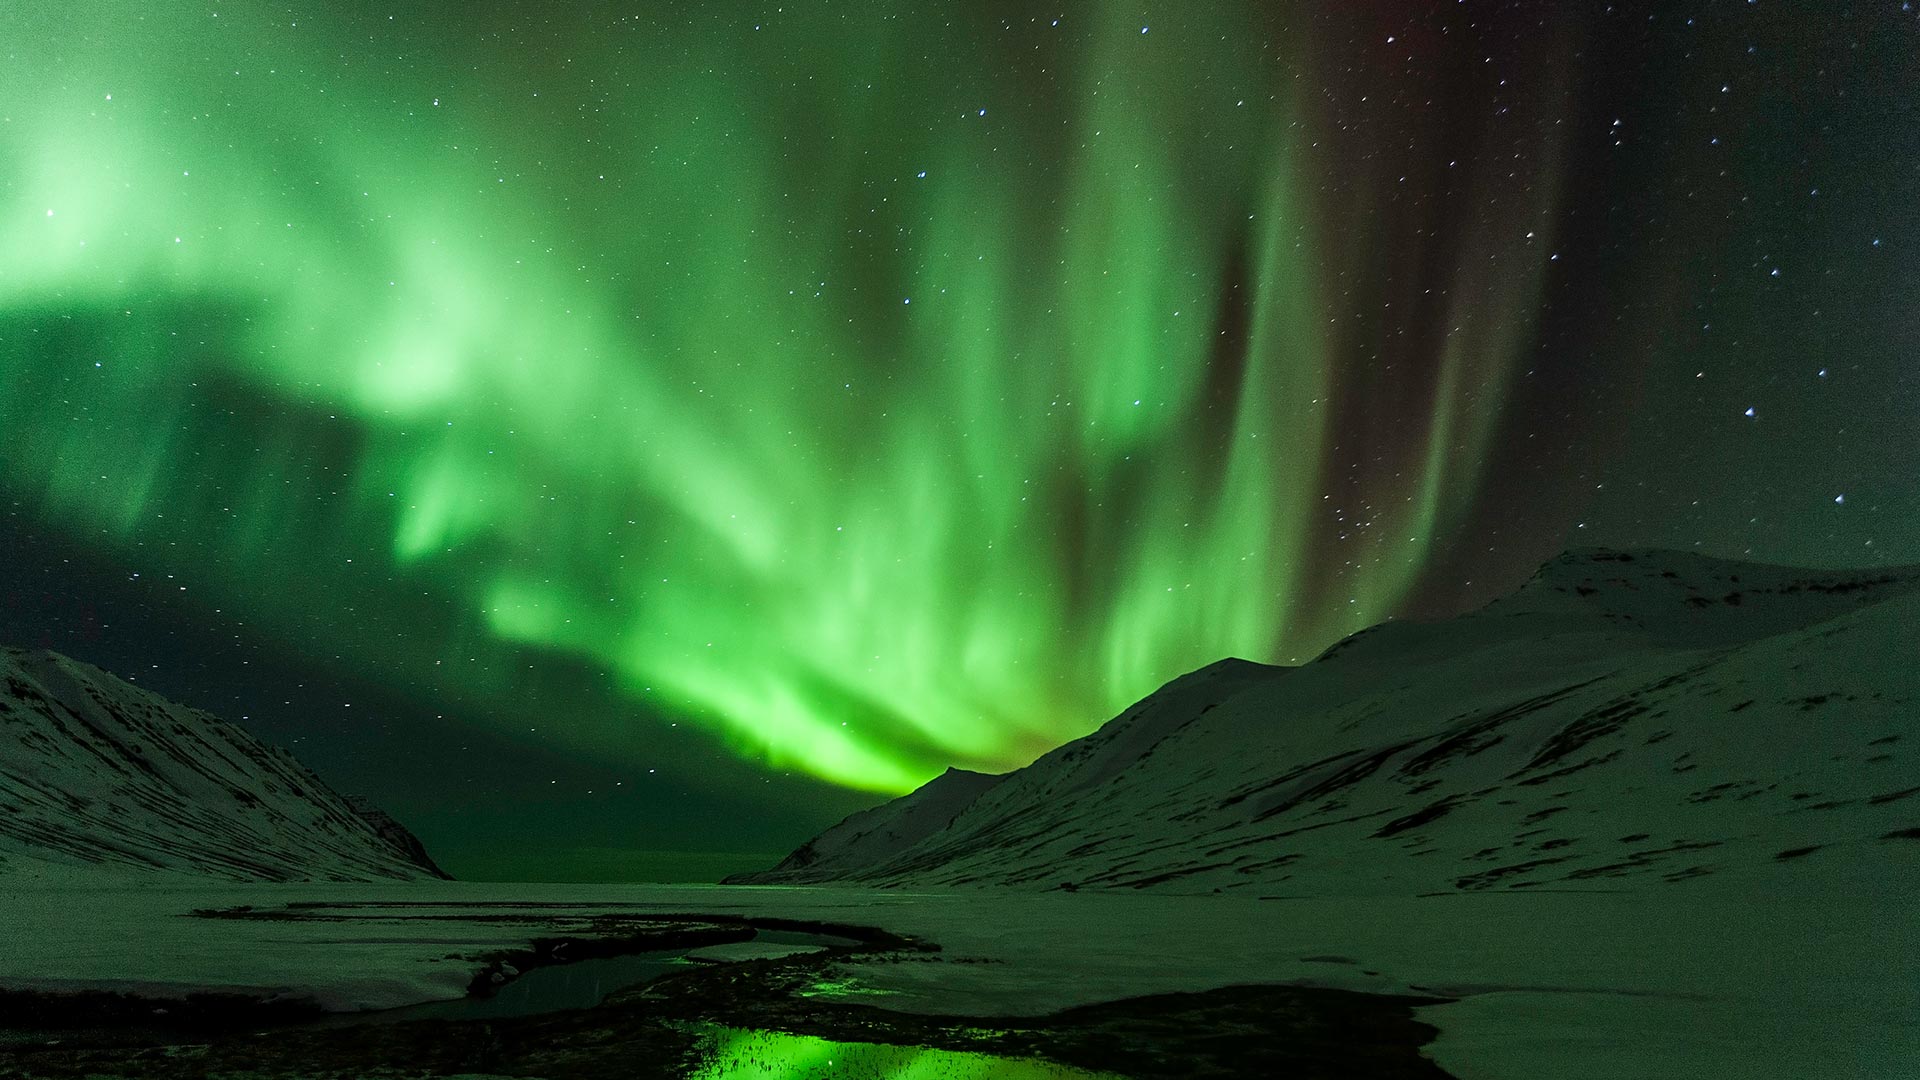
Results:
x,y
737,1054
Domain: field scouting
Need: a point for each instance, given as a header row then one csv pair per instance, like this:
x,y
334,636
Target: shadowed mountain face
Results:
x,y
96,771
1625,719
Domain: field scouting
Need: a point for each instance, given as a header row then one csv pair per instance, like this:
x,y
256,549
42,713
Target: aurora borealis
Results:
x,y
882,387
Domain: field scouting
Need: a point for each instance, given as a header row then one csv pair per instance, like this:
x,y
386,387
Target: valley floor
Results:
x,y
1706,979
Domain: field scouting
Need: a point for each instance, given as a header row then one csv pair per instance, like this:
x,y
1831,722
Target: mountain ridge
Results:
x,y
1622,717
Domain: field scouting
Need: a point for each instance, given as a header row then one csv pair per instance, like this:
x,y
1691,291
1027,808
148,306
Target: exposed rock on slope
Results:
x,y
1623,718
396,835
96,771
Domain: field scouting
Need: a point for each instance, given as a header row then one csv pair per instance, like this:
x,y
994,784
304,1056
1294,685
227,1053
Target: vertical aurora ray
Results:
x,y
877,413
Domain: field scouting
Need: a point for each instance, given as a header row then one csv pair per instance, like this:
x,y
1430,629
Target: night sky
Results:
x,y
623,439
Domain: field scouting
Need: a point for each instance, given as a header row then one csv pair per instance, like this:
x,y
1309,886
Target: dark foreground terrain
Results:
x,y
657,1029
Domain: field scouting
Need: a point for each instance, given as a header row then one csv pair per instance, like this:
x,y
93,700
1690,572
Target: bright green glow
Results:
x,y
737,1054
668,358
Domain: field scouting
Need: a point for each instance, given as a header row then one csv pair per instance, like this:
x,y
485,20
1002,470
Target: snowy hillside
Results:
x,y
871,837
97,772
1624,719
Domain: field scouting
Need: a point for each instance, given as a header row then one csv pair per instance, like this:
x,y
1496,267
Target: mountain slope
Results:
x,y
871,837
97,772
1622,720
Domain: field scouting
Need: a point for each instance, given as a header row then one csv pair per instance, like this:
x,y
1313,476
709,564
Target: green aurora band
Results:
x,y
880,392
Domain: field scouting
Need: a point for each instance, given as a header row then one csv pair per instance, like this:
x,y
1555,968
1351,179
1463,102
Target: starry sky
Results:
x,y
625,438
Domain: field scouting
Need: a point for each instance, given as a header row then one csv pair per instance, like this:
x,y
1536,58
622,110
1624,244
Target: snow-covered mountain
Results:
x,y
97,772
1623,719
